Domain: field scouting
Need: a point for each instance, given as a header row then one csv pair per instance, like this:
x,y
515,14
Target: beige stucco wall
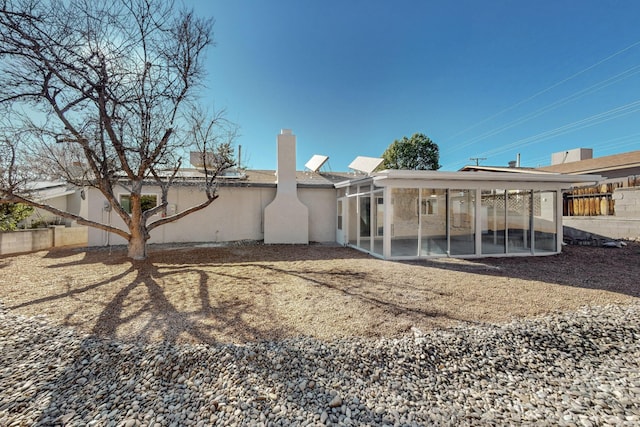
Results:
x,y
42,215
322,206
237,214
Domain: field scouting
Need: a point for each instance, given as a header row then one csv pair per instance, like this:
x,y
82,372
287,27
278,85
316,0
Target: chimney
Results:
x,y
518,160
286,218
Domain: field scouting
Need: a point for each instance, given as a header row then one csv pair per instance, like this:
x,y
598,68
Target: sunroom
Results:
x,y
406,214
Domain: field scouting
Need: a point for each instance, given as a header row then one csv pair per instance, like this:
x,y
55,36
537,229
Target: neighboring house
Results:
x,y
581,161
390,214
609,209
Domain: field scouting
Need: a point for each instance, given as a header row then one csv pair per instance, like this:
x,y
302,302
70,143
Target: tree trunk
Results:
x,y
137,248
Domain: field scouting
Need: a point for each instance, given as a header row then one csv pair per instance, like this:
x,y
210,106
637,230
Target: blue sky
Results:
x,y
480,78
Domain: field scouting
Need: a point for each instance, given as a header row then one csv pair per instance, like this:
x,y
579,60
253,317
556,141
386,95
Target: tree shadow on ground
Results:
x,y
225,294
159,318
258,292
587,267
214,253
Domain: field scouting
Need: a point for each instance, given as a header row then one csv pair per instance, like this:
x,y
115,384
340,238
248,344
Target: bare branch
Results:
x,y
19,199
112,88
182,214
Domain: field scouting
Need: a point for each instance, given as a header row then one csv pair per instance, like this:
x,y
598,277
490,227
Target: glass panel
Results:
x,y
544,221
518,221
339,214
378,223
352,224
433,229
493,211
404,220
462,222
364,216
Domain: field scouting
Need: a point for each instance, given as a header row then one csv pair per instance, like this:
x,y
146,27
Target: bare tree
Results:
x,y
102,94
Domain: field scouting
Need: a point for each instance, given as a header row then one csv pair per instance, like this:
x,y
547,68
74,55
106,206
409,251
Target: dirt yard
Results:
x,y
253,292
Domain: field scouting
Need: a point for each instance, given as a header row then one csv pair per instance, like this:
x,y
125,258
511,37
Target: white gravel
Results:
x,y
576,369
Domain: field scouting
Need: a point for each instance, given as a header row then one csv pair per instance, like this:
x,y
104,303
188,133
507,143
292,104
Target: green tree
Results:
x,y
11,214
416,153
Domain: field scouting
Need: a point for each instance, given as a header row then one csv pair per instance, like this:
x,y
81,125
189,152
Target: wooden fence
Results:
x,y
595,200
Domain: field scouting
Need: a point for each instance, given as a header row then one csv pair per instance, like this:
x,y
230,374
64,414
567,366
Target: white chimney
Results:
x,y
286,219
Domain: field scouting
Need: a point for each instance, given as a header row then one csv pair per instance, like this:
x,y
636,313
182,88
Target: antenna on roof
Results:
x,y
315,162
365,164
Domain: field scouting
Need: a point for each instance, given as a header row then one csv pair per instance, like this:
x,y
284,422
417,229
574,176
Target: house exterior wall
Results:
x,y
237,214
620,173
46,216
322,206
76,204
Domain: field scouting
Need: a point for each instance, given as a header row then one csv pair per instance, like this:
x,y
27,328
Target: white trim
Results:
x,y
381,178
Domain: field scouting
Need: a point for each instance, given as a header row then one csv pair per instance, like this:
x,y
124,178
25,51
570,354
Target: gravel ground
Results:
x,y
245,293
577,369
249,335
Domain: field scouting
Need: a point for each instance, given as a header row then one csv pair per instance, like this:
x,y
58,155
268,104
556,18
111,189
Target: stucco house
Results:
x,y
610,209
581,161
390,214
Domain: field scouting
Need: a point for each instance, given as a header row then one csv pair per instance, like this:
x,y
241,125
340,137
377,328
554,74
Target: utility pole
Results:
x,y
477,159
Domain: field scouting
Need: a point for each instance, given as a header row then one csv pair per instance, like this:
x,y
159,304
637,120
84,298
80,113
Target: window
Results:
x,y
147,201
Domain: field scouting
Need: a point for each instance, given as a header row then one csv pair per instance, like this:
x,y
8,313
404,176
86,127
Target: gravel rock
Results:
x,y
580,368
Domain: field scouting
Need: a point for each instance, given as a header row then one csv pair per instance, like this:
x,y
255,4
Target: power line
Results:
x,y
576,95
570,127
553,86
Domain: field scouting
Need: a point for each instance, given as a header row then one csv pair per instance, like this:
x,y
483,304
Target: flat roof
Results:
x,y
380,178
